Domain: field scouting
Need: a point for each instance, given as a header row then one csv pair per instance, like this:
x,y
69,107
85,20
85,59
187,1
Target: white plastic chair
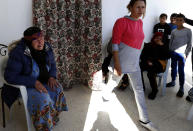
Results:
x,y
164,75
23,92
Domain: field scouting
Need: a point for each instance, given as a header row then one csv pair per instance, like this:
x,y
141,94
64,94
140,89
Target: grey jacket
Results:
x,y
180,38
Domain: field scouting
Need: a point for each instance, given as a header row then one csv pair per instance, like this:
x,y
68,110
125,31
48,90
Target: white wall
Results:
x,y
113,9
15,17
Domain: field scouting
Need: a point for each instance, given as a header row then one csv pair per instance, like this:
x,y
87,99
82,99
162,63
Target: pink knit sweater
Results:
x,y
129,32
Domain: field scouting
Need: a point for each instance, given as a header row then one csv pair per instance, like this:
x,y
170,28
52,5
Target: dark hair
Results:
x,y
31,30
173,15
180,16
32,33
132,2
163,15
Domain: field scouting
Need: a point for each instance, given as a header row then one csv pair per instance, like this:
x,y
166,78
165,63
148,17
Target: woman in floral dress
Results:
x,y
31,63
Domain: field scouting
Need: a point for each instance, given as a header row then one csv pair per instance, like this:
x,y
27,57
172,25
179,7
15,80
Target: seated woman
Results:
x,y
31,63
153,60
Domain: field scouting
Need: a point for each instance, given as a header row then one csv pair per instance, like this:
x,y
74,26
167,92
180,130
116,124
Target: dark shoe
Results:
x,y
123,86
152,95
171,84
188,99
106,78
180,93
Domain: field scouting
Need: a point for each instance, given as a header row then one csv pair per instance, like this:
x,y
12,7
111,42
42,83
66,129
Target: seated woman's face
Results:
x,y
38,44
157,39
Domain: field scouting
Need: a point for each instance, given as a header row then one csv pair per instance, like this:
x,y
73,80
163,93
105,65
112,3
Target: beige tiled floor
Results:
x,y
88,112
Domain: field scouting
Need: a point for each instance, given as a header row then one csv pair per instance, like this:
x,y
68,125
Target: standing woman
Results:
x,y
127,39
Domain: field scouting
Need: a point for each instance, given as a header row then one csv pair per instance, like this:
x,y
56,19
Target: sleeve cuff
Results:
x,y
115,47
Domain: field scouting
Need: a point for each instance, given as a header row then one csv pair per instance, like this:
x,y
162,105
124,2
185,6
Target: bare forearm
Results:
x,y
117,63
116,57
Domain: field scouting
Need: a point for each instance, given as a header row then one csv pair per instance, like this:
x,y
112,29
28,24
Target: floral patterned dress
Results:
x,y
45,108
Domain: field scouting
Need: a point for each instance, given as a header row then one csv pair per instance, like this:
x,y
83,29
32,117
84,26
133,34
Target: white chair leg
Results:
x,y
164,84
165,75
25,98
190,114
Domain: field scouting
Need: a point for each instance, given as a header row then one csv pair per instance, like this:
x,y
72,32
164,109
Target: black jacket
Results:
x,y
166,30
154,53
188,21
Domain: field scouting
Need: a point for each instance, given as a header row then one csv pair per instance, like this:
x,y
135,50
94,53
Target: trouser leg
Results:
x,y
142,80
139,95
125,79
181,65
173,66
152,80
192,58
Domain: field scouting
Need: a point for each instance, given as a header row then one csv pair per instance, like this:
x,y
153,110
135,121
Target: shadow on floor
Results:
x,y
103,123
127,99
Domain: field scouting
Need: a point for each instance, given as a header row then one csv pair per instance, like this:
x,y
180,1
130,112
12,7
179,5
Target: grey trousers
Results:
x,y
137,86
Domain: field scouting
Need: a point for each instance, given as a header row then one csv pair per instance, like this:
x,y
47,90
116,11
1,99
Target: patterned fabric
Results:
x,y
74,29
44,108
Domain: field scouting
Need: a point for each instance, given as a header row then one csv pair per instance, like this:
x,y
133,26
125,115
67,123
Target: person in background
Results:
x,y
105,70
106,62
32,64
190,22
163,27
127,41
172,23
180,46
154,58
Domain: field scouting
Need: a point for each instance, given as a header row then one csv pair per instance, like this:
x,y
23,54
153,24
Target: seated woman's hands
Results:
x,y
52,83
159,42
40,87
149,63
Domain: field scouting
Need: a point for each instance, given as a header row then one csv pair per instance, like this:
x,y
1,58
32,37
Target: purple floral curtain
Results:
x,y
73,27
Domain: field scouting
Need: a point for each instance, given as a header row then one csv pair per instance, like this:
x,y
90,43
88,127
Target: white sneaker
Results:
x,y
150,126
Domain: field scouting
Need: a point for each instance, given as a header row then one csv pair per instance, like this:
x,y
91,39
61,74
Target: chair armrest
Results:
x,y
17,86
23,92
